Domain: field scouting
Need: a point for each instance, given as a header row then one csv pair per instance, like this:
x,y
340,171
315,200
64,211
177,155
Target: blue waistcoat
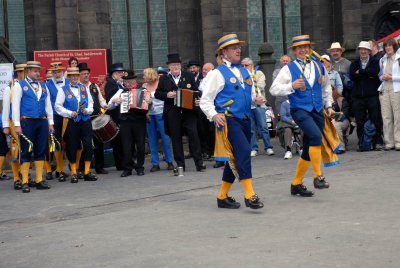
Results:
x,y
53,91
234,99
71,102
30,106
310,98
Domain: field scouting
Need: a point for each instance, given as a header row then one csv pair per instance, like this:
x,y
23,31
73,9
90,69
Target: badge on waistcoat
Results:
x,y
188,85
248,81
43,90
25,88
69,96
233,80
83,96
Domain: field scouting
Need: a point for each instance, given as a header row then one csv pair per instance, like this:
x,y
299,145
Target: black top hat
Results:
x,y
173,57
83,66
130,75
117,67
193,62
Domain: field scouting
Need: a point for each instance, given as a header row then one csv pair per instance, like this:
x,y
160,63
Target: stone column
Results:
x,y
267,65
67,24
211,27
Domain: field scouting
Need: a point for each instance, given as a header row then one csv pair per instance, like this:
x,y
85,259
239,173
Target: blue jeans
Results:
x,y
157,123
259,122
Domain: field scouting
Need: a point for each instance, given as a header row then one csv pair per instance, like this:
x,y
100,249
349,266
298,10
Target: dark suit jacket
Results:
x,y
110,89
198,81
366,82
167,84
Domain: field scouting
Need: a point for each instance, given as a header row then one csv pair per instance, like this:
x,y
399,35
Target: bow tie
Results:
x,y
59,82
74,86
34,82
237,65
302,63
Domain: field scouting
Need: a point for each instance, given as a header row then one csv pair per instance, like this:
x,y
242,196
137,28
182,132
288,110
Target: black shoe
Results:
x,y
155,168
17,185
341,152
61,176
126,173
49,176
90,177
253,202
101,171
218,164
320,183
25,188
80,175
352,127
140,173
42,186
301,190
4,177
201,168
170,166
74,178
31,183
228,202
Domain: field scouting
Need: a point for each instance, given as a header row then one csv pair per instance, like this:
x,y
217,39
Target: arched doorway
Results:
x,y
386,19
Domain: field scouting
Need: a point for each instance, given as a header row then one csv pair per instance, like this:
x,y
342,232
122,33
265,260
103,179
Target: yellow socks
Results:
x,y
248,188
15,169
78,157
39,170
302,166
315,157
47,166
60,161
223,191
25,172
2,158
73,168
87,167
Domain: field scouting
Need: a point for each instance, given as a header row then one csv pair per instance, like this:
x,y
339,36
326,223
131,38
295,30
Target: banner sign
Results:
x,y
95,58
6,75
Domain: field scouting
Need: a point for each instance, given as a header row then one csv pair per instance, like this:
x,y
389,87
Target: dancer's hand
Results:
x,y
18,130
51,129
331,112
219,120
6,130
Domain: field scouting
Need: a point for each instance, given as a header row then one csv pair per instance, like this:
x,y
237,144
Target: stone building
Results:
x,y
140,33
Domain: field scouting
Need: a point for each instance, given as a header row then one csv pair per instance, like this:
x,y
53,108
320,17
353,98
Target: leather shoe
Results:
x,y
341,152
61,176
31,183
170,166
219,164
42,186
74,178
155,168
301,190
79,175
228,202
90,177
140,173
49,176
17,185
201,168
126,173
25,188
253,202
320,182
101,171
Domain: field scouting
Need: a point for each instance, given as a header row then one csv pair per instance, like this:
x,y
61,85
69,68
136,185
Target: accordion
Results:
x,y
136,98
185,98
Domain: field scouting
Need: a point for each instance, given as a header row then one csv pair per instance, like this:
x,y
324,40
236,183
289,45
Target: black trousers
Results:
x,y
179,120
133,132
116,144
98,152
75,134
206,133
368,108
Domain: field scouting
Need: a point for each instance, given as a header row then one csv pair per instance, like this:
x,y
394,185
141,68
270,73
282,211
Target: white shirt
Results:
x,y
6,107
282,85
102,101
59,106
16,103
214,84
111,104
176,79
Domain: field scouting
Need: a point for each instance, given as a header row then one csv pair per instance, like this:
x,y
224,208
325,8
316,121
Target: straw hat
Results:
x,y
364,44
33,64
228,40
300,40
335,45
56,66
72,70
20,67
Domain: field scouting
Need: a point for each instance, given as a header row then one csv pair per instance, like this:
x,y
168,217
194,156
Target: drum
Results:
x,y
104,129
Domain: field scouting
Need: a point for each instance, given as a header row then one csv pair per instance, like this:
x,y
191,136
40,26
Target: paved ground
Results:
x,y
159,220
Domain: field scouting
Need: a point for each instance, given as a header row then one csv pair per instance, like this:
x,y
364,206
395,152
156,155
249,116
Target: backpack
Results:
x,y
369,131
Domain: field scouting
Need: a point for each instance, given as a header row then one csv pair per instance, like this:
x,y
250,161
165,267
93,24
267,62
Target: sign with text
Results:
x,y
95,58
6,75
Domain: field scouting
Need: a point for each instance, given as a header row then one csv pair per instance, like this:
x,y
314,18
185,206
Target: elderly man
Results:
x,y
177,118
226,100
364,72
283,61
258,116
307,85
